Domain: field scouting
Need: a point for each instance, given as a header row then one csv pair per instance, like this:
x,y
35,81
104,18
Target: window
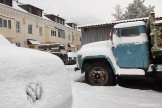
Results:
x,y
17,26
9,24
18,44
53,33
40,31
30,10
69,36
61,33
39,13
58,20
29,29
5,23
129,32
1,23
73,37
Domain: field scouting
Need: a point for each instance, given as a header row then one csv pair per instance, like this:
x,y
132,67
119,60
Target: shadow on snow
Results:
x,y
141,82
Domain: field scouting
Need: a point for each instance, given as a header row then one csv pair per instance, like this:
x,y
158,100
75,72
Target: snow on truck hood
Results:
x,y
24,71
97,44
96,48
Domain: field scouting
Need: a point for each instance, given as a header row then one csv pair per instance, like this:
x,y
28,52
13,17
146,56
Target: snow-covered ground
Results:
x,y
33,79
86,96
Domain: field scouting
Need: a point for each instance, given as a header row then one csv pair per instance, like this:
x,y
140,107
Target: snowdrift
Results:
x,y
32,79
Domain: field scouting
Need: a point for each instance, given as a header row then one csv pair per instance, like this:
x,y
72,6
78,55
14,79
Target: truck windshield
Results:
x,y
129,32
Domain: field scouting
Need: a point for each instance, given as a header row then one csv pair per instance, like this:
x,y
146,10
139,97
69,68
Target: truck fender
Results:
x,y
99,58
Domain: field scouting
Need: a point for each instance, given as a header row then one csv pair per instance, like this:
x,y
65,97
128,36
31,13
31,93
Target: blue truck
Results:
x,y
134,48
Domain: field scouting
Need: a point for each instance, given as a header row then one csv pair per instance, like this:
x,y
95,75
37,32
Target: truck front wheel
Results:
x,y
99,74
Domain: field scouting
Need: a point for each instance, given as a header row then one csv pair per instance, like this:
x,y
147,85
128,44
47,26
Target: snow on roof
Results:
x,y
34,42
129,24
15,6
132,20
44,17
158,22
113,23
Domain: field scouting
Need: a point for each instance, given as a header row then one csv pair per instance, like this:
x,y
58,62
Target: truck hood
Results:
x,y
96,48
96,45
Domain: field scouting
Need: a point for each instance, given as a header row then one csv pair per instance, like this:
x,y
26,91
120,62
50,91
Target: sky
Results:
x,y
87,11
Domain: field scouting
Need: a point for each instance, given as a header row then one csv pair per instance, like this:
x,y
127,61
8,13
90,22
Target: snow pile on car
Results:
x,y
72,54
32,79
4,41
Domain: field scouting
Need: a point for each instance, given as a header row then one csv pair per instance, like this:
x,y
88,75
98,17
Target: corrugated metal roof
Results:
x,y
116,22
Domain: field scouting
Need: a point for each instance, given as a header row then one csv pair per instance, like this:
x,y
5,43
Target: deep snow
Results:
x,y
87,96
21,68
32,79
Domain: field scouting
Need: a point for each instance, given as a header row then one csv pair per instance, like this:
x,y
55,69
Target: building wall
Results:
x,y
95,34
9,13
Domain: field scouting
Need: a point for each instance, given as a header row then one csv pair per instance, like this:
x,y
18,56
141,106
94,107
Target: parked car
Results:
x,y
71,58
32,79
56,49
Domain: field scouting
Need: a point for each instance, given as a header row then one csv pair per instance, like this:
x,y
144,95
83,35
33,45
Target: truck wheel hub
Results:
x,y
97,75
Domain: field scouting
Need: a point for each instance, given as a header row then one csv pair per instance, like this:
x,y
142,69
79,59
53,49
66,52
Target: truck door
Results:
x,y
131,50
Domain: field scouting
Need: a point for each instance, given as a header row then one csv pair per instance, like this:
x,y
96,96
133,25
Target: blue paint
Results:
x,y
80,61
132,55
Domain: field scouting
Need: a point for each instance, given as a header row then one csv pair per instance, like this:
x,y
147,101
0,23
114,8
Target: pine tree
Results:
x,y
118,15
137,9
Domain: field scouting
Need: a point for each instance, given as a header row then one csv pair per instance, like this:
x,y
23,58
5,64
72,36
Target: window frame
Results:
x,y
53,33
120,31
9,24
61,33
18,28
1,22
5,23
40,31
30,29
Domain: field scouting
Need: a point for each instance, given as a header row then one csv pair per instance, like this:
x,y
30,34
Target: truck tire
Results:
x,y
99,74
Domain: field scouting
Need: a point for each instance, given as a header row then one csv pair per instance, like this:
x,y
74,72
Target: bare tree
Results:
x,y
118,15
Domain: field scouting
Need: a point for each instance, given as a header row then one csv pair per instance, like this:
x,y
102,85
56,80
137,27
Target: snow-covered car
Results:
x,y
71,58
56,49
32,79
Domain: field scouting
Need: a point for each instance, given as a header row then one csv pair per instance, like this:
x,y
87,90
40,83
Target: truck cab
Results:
x,y
130,45
131,50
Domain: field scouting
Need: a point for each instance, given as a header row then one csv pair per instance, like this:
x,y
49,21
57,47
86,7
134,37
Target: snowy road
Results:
x,y
86,96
